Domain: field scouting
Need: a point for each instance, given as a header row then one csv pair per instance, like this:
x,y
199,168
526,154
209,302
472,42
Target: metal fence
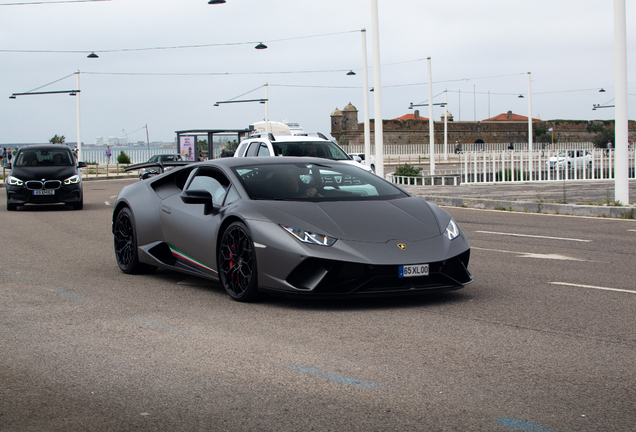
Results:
x,y
135,155
424,149
539,166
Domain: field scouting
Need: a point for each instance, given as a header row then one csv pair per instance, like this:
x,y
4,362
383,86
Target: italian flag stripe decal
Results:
x,y
180,255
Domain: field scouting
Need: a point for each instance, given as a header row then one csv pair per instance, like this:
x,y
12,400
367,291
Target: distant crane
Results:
x,y
125,135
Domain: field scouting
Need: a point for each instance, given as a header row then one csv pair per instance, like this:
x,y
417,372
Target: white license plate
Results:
x,y
414,270
44,192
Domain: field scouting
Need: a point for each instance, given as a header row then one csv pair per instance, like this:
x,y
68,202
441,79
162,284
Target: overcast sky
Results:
x,y
476,47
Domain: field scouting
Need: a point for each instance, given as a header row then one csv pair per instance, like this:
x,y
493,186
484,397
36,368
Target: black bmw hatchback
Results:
x,y
44,174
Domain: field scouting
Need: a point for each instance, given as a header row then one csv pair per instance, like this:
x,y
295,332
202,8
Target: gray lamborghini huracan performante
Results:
x,y
294,226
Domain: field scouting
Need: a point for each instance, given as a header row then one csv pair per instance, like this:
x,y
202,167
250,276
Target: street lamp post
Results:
x,y
377,92
530,126
431,120
621,164
79,128
76,92
445,125
365,101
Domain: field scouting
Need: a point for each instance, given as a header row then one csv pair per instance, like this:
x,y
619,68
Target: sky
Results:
x,y
481,53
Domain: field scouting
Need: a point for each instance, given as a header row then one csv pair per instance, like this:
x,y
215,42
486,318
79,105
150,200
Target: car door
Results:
x,y
189,229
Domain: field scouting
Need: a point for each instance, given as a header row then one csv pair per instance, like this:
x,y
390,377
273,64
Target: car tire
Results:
x,y
125,242
237,263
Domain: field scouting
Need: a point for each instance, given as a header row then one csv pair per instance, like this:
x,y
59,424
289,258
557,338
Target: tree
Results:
x,y
123,158
600,140
58,139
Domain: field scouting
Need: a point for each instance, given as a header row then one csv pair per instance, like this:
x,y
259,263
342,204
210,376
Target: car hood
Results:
x,y
43,172
366,221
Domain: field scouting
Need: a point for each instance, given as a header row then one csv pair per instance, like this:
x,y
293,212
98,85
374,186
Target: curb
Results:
x,y
533,207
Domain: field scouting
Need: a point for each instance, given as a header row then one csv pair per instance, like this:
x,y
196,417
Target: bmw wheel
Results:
x,y
125,238
237,263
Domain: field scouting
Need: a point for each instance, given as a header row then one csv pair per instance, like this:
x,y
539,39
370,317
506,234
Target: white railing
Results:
x,y
135,155
423,149
517,166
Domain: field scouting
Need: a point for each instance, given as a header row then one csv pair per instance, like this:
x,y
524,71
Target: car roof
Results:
x,y
289,138
45,147
268,160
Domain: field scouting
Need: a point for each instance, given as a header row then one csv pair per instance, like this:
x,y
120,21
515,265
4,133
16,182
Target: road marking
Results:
x,y
522,425
632,230
367,385
533,255
72,295
594,287
534,236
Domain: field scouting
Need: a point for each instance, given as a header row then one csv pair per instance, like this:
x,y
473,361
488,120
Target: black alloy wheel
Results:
x,y
237,263
125,239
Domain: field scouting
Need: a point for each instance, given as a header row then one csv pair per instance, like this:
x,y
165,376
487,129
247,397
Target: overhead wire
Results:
x,y
50,2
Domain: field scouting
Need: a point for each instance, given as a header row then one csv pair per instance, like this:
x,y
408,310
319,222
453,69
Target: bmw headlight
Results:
x,y
14,181
309,237
452,230
72,180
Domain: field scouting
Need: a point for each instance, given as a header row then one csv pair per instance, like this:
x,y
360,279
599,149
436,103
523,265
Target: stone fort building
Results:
x,y
503,128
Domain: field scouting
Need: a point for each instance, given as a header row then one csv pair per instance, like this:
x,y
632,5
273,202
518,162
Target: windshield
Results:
x,y
311,182
322,149
569,154
44,158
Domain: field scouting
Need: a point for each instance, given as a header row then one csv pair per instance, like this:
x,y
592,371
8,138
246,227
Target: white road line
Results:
x,y
533,255
593,287
534,236
632,230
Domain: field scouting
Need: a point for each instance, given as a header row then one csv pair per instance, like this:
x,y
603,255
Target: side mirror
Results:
x,y
198,196
357,159
81,165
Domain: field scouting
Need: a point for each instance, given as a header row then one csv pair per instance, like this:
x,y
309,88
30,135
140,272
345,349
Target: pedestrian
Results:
x,y
458,147
609,146
9,155
3,156
200,155
511,146
108,154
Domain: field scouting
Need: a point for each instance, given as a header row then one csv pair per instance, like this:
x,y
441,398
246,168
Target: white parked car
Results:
x,y
294,145
360,157
567,159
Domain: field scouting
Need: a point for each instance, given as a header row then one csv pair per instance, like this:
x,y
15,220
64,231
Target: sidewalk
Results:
x,y
583,198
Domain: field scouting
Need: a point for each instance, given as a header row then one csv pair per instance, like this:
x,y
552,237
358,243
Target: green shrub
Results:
x,y
123,158
407,170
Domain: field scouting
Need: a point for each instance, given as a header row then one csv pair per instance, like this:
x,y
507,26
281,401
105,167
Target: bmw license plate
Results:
x,y
414,270
44,192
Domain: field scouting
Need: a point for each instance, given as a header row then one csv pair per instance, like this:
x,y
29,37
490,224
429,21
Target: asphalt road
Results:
x,y
543,340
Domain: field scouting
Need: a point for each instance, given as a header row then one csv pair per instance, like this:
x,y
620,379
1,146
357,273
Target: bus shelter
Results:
x,y
218,141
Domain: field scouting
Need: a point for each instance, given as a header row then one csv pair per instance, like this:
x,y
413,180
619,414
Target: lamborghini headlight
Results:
x,y
452,230
309,237
72,180
14,181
